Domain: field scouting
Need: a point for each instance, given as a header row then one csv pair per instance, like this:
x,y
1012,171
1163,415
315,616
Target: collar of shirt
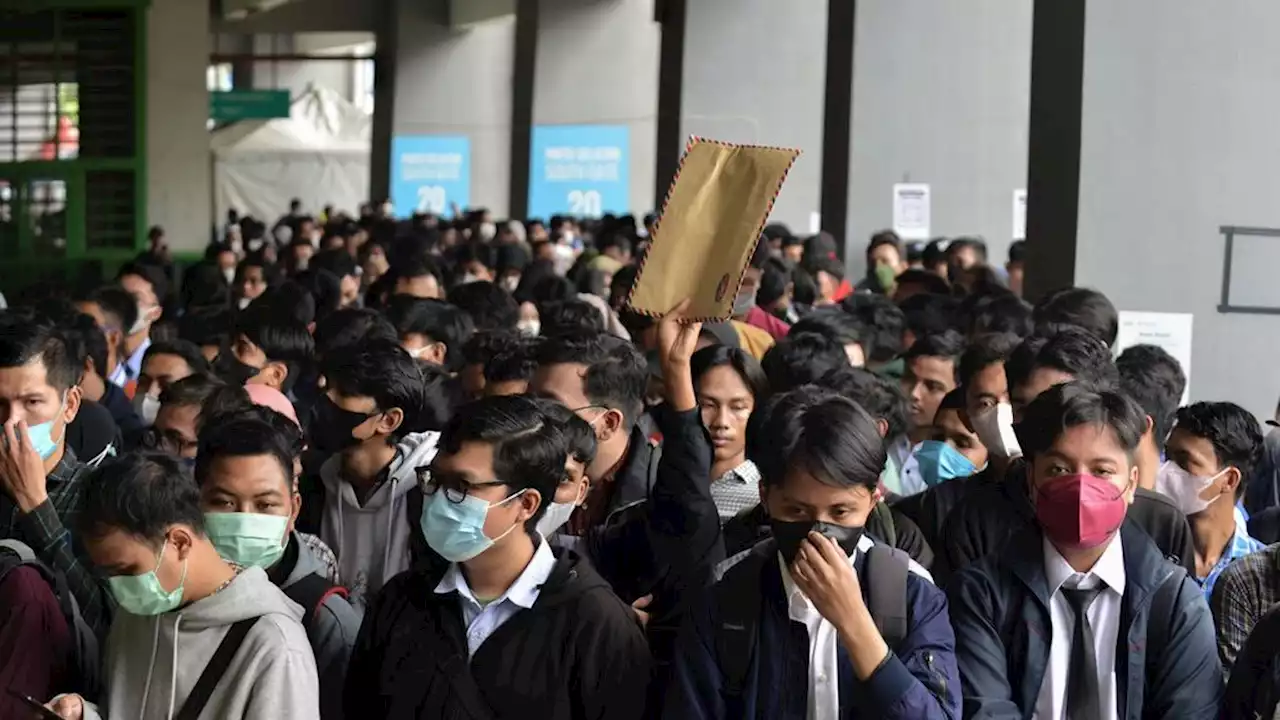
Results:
x,y
1241,545
1109,569
799,607
134,364
66,469
746,473
523,592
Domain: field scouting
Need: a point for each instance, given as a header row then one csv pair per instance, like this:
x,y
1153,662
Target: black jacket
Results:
x,y
886,524
1166,657
993,511
929,509
577,654
122,412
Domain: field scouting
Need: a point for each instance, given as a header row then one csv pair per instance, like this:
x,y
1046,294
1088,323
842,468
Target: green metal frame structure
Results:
x,y
103,199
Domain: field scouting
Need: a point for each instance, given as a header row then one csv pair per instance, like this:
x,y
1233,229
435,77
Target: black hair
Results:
x,y
953,400
189,353
569,316
978,244
931,314
1080,307
1154,379
117,302
774,279
490,307
141,494
935,253
760,256
511,257
616,376
999,312
801,359
481,252
529,449
26,337
714,356
153,275
614,240
1073,404
878,395
412,267
436,319
984,351
281,339
385,372
932,283
351,326
83,332
884,323
484,345
581,437
195,390
253,430
1018,251
207,326
1232,430
804,289
204,287
886,237
828,265
833,323
295,301
511,356
1071,350
815,431
949,345
337,261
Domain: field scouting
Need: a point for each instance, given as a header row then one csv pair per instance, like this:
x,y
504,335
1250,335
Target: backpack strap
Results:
x,y
738,598
457,670
887,569
311,592
881,524
213,672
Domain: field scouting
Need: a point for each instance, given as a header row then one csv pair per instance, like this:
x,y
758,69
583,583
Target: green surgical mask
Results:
x,y
248,539
886,276
143,594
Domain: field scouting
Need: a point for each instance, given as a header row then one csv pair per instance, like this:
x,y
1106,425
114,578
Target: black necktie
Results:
x,y
1083,694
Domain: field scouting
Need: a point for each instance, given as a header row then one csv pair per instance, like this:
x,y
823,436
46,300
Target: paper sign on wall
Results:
x,y
911,211
709,227
1169,331
1020,214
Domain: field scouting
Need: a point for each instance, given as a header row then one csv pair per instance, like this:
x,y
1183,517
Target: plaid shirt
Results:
x,y
1245,590
44,529
1241,545
736,490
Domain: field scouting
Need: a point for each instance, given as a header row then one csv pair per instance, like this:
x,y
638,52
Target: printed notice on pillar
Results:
x,y
1168,331
911,210
1020,214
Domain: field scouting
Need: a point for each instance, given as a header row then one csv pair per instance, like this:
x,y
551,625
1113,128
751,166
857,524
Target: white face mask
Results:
x,y
147,407
144,318
995,430
510,283
243,302
417,353
1184,489
467,278
530,328
557,515
229,274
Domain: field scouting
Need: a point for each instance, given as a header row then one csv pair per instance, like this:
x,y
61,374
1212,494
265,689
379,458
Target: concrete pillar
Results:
x,y
940,96
178,171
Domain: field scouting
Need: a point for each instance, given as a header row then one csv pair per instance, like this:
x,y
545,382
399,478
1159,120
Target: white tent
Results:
x,y
319,154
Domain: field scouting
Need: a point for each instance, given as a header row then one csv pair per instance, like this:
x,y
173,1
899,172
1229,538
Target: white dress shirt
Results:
x,y
482,620
824,674
902,453
1104,618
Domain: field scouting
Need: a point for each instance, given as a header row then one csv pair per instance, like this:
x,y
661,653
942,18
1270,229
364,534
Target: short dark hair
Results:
x,y
1000,312
206,326
801,359
1072,404
1071,350
949,345
714,356
153,275
831,322
978,244
27,337
141,494
281,339
1018,251
385,372
118,303
883,321
1232,430
774,279
582,439
878,395
490,307
194,390
616,377
351,326
886,237
1154,379
931,314
569,316
254,430
983,351
437,319
953,400
933,283
188,351
816,431
529,449
512,356
337,261
485,344
1084,308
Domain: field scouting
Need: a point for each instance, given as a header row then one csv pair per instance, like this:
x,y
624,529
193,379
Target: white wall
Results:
x,y
1178,139
597,64
941,95
178,184
755,72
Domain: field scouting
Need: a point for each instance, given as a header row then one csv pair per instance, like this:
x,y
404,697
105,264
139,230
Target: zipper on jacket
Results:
x,y
939,677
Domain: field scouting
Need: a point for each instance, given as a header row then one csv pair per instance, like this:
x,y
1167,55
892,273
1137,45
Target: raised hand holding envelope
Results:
x,y
717,206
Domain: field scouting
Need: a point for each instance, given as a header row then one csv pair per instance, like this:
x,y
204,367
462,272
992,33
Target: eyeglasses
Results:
x,y
455,488
166,441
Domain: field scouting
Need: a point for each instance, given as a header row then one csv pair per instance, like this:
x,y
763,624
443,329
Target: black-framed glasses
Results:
x,y
455,488
166,441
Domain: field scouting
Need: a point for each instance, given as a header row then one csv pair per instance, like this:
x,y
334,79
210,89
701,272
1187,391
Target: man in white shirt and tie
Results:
x,y
1081,616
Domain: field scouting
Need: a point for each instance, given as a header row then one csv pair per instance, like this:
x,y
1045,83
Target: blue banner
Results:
x,y
429,173
579,170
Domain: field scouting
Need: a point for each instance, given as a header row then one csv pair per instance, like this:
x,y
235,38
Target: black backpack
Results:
x,y
738,596
1253,690
311,592
84,644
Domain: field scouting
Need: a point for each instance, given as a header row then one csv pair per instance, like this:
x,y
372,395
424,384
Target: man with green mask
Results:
x,y
181,606
245,470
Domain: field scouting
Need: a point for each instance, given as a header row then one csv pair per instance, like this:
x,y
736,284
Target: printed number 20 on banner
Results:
x,y
432,199
585,203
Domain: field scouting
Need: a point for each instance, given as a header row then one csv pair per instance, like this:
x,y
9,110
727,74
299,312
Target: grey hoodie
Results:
x,y
152,663
332,633
372,540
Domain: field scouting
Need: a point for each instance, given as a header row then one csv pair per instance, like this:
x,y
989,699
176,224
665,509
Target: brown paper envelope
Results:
x,y
709,227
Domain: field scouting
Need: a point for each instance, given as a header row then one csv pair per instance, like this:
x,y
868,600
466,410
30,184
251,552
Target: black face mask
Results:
x,y
331,431
789,535
229,368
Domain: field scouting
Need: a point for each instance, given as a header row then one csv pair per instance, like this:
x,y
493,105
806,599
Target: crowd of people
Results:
x,y
355,467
